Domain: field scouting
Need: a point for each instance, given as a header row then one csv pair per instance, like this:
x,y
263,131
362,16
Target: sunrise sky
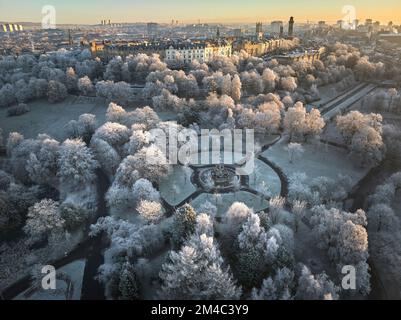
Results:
x,y
225,11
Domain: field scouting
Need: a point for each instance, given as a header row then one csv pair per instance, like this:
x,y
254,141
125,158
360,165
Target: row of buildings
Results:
x,y
309,55
261,47
188,51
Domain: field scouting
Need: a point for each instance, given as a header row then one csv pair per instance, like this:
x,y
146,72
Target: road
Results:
x,y
345,100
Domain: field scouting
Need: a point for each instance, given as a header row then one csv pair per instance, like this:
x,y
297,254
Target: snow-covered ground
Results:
x,y
167,115
68,284
177,186
263,174
319,159
225,200
51,118
264,139
46,117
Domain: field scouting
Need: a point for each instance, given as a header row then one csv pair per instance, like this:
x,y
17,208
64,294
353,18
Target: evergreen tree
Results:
x,y
128,286
196,272
183,225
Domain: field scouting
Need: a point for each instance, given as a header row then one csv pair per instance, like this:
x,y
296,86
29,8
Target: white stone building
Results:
x,y
203,52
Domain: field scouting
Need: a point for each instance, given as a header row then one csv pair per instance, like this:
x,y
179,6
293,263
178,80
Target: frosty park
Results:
x,y
86,187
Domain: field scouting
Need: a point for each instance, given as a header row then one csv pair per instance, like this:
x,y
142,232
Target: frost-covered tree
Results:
x,y
367,145
20,151
144,190
236,215
294,121
42,165
7,95
343,234
236,86
298,209
44,219
363,134
10,218
314,124
127,242
114,69
83,128
151,163
106,155
301,124
319,190
269,78
150,211
18,110
14,139
279,249
183,224
137,141
197,272
279,287
71,80
204,225
327,228
295,150
115,134
119,92
381,217
252,82
86,87
56,91
77,164
115,113
268,118
315,287
208,208
353,243
128,286
73,214
252,236
288,84
276,209
127,174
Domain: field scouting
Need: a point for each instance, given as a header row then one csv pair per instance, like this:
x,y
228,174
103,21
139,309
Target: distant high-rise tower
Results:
x,y
152,29
218,33
259,27
259,30
291,27
70,42
281,31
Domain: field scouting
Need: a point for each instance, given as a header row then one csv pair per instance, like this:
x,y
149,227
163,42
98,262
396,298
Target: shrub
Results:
x,y
18,110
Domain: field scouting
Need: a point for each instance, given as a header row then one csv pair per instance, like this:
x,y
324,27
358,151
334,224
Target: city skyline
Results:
x,y
207,11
